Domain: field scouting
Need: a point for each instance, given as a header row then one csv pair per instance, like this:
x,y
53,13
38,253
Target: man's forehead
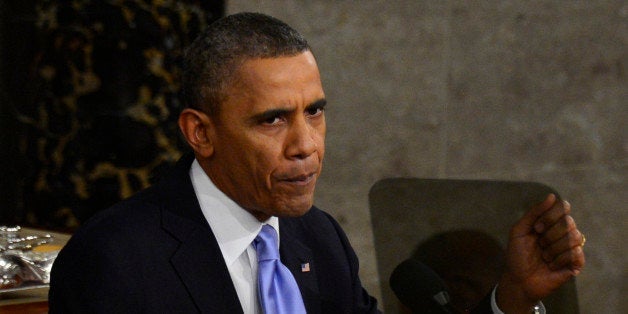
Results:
x,y
282,83
277,67
258,75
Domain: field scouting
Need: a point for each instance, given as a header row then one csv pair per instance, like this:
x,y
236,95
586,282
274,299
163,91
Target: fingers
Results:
x,y
572,259
571,240
562,227
552,216
532,217
559,238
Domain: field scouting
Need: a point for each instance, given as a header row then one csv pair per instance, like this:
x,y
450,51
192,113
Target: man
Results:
x,y
255,121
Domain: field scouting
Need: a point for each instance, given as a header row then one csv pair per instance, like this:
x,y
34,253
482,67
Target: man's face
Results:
x,y
269,136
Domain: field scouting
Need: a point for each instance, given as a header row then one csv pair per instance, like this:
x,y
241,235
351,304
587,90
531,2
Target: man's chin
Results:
x,y
299,212
293,210
283,210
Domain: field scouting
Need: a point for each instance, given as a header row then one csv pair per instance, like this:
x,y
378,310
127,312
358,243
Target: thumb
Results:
x,y
527,222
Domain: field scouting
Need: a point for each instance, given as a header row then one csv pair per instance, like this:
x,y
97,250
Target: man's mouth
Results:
x,y
303,179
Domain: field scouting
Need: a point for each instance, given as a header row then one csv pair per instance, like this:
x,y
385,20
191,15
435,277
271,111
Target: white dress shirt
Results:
x,y
235,229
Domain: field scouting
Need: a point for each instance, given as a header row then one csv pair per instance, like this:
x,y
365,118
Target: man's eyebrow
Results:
x,y
319,104
270,114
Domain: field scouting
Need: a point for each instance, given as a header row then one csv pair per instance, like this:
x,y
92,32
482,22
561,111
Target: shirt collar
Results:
x,y
234,227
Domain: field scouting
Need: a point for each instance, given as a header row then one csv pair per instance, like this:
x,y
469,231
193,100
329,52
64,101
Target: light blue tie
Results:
x,y
278,291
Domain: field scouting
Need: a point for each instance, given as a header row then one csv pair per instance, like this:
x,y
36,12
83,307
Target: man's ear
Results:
x,y
196,127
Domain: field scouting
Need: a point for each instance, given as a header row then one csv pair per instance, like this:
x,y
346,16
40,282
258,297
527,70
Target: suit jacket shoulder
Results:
x,y
152,253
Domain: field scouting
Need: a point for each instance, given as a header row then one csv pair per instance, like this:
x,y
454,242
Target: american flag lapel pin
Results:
x,y
305,267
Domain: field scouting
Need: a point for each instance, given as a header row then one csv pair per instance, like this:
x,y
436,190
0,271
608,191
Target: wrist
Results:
x,y
511,298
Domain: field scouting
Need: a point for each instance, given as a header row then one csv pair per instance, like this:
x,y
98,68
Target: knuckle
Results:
x,y
575,234
575,253
579,252
570,222
566,207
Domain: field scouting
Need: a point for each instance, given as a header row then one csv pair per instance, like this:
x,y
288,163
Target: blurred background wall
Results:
x,y
509,90
513,90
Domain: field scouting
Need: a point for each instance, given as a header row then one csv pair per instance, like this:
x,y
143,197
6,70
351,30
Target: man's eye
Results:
x,y
271,120
315,111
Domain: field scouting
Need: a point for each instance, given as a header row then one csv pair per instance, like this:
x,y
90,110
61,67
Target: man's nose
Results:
x,y
301,141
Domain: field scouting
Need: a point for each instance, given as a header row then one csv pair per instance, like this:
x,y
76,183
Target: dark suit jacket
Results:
x,y
155,253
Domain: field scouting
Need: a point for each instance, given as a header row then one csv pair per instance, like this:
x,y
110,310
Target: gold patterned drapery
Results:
x,y
100,120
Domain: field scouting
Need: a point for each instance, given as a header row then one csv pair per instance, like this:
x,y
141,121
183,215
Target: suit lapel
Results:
x,y
198,260
200,265
300,260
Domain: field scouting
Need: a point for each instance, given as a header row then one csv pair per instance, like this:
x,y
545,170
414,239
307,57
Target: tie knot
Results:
x,y
266,244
